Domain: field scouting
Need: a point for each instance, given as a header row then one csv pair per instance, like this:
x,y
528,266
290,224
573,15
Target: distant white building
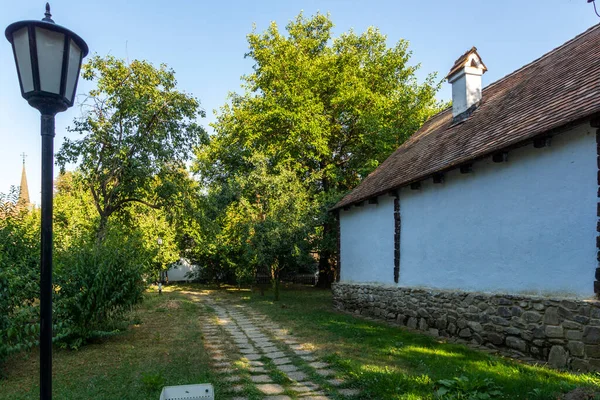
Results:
x,y
496,198
181,271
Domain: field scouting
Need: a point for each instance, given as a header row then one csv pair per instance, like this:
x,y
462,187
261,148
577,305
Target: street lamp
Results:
x,y
159,241
48,59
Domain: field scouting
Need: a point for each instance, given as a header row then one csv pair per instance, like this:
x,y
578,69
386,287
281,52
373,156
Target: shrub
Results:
x,y
96,284
19,276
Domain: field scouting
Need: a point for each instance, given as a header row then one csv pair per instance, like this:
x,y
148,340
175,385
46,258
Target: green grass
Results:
x,y
164,347
392,363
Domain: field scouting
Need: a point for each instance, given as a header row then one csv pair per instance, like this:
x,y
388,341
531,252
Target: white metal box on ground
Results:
x,y
203,391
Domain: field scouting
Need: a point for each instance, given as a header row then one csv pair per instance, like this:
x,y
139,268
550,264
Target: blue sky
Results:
x,y
205,41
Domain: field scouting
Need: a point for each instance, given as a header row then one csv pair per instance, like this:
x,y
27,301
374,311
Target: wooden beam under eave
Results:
x,y
438,178
500,157
359,204
466,168
373,200
542,142
393,193
595,122
346,208
415,185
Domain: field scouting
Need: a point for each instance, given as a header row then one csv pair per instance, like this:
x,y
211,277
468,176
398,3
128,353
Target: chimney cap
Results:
x,y
467,61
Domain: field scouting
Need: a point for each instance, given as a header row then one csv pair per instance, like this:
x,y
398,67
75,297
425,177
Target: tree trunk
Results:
x,y
325,270
101,232
325,267
275,281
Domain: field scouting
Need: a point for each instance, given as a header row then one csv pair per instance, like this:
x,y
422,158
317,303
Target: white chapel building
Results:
x,y
494,200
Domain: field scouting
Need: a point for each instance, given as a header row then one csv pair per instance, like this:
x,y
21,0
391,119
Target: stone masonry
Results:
x,y
564,333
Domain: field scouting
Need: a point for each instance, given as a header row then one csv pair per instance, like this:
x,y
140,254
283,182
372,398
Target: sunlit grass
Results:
x,y
162,347
391,363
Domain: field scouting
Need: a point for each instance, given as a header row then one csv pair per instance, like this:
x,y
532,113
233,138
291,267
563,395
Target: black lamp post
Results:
x,y
48,59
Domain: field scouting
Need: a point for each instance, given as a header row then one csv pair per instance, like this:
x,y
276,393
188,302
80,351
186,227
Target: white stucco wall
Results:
x,y
367,235
525,226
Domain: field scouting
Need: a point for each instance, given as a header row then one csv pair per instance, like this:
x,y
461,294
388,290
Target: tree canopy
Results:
x,y
332,109
136,133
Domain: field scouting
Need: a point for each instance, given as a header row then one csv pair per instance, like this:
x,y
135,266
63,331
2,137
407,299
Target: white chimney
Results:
x,y
465,77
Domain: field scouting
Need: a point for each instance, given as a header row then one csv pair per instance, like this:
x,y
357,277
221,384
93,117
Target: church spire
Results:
x,y
24,190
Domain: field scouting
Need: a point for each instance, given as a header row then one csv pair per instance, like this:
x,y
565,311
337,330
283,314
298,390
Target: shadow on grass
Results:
x,y
390,362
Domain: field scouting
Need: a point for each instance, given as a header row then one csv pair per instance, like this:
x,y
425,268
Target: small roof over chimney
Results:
x,y
465,77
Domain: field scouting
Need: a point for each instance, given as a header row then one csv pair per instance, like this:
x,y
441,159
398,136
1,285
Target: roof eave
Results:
x,y
520,143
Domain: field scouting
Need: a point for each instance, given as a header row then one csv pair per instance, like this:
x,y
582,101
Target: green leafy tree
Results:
x,y
135,136
270,221
331,108
75,216
158,237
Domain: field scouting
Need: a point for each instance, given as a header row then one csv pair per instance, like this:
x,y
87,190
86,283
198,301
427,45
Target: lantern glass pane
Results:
x,y
73,73
50,49
21,43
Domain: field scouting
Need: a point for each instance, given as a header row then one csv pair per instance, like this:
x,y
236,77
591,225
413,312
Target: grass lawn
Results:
x,y
392,363
164,347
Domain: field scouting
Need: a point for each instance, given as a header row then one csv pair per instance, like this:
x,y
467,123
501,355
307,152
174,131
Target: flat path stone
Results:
x,y
319,365
257,370
270,388
280,361
275,354
325,372
261,378
349,392
250,350
297,375
279,397
287,368
300,388
221,364
237,388
232,378
263,342
252,356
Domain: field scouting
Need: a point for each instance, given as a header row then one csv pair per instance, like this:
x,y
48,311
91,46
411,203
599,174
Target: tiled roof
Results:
x,y
559,88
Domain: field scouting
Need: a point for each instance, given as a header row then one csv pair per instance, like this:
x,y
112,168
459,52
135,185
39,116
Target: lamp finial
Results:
x,y
47,14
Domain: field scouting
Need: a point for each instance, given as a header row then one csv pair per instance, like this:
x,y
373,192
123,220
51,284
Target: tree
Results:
x,y
136,133
153,225
331,109
270,221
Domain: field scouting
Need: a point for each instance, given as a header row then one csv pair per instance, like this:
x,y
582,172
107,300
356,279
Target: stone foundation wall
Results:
x,y
564,333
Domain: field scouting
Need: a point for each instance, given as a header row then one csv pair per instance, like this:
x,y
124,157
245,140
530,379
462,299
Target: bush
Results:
x,y
96,284
19,277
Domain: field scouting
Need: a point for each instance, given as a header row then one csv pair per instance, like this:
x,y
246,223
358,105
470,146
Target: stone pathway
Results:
x,y
260,359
